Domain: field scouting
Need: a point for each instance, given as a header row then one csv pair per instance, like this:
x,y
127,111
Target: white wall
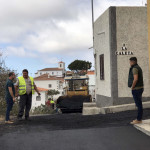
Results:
x,y
92,91
36,103
91,79
102,46
45,84
61,65
132,31
51,73
92,85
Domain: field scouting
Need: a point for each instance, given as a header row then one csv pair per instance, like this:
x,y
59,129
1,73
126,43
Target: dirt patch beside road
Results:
x,y
2,118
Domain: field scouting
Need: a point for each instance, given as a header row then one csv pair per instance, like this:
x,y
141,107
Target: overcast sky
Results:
x,y
36,34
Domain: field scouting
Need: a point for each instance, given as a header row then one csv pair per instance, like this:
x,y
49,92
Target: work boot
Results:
x,y
9,122
136,122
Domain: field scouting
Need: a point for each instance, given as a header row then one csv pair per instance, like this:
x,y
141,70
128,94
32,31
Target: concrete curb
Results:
x,y
144,127
91,109
89,104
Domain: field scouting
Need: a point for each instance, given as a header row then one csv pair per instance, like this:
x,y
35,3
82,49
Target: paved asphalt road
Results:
x,y
75,132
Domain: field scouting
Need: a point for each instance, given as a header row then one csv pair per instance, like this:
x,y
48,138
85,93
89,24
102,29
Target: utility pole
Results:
x,y
148,18
92,21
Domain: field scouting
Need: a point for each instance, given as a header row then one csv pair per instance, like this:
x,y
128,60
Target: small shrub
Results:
x,y
3,107
43,109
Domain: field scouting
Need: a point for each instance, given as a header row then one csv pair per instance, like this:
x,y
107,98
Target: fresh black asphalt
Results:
x,y
75,132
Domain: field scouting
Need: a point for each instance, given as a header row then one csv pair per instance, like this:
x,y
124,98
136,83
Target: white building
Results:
x,y
59,72
120,33
51,83
91,75
38,101
51,78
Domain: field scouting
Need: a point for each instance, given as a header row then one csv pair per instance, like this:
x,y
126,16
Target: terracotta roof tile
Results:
x,y
42,89
91,72
47,77
51,69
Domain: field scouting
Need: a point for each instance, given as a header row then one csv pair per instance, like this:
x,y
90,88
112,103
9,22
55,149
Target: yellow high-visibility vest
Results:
x,y
52,102
22,85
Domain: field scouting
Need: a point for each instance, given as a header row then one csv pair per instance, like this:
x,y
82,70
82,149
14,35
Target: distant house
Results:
x,y
59,72
51,78
50,82
38,101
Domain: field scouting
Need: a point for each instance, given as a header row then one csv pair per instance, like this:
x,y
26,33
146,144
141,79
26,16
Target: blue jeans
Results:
x,y
137,96
9,107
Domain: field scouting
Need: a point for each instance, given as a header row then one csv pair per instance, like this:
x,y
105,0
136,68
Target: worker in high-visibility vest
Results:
x,y
25,87
52,103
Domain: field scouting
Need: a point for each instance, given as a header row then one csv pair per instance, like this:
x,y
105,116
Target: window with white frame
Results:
x,y
38,98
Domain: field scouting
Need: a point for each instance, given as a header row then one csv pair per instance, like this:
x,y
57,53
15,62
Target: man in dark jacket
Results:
x,y
10,96
135,82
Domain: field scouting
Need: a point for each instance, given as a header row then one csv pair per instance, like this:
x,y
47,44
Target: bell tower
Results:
x,y
61,65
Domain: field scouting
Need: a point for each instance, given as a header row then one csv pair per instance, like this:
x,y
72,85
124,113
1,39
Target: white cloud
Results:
x,y
45,28
20,52
50,60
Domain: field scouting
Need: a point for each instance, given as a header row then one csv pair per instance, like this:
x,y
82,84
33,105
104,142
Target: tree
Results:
x,y
53,92
3,76
80,66
4,71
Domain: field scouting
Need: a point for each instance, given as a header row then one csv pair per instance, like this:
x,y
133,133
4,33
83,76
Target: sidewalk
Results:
x,y
92,109
144,127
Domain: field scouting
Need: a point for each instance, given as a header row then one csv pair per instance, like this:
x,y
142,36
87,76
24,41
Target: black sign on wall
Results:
x,y
124,51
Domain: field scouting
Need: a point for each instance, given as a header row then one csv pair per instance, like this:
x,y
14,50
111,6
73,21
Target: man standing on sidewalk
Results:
x,y
25,86
135,82
10,96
